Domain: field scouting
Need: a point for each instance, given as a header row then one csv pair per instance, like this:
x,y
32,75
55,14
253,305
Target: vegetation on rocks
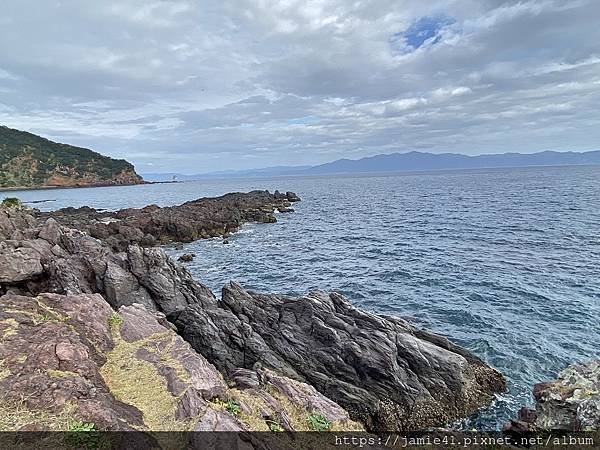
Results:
x,y
11,202
27,160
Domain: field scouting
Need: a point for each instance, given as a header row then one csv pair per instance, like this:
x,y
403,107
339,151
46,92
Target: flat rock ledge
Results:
x,y
571,403
245,360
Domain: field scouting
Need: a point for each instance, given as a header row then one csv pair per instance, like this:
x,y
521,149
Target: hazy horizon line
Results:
x,y
308,166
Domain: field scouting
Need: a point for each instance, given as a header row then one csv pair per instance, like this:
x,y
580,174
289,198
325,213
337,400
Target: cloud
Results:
x,y
191,87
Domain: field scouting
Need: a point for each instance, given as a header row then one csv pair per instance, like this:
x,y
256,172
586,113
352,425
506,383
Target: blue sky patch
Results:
x,y
421,31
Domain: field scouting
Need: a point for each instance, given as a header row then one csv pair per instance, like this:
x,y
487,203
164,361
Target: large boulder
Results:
x,y
18,263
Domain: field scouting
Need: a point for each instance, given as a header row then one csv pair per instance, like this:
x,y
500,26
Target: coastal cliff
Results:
x,y
30,161
244,361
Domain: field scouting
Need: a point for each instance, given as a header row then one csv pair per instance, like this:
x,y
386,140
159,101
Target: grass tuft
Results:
x,y
138,383
115,321
274,426
318,422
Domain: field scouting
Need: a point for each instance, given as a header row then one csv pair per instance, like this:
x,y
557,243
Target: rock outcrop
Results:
x,y
310,351
198,219
388,374
569,403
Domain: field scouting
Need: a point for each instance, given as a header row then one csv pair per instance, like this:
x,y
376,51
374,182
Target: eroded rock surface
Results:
x,y
72,359
387,373
51,350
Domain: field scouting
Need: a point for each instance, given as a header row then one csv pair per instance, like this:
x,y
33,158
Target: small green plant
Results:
x,y
78,427
274,426
318,422
115,320
83,435
233,407
12,202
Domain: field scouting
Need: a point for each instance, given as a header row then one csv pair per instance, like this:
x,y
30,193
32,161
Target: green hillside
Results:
x,y
27,160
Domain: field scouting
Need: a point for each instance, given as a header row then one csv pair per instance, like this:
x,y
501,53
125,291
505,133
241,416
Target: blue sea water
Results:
x,y
504,262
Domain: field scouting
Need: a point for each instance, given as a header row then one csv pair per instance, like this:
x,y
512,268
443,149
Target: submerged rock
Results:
x,y
187,257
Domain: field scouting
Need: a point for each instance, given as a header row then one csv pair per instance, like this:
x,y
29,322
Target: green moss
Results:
x,y
45,314
115,321
50,313
231,406
61,373
274,425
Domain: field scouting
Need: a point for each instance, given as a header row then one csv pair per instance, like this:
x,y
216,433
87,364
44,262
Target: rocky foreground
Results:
x,y
98,325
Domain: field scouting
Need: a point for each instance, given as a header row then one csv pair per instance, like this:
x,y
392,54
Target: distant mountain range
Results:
x,y
31,161
403,162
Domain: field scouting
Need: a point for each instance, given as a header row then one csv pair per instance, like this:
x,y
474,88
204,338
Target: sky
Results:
x,y
194,86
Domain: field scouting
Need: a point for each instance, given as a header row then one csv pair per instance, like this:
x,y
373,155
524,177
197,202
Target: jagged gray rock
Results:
x,y
386,373
18,263
202,218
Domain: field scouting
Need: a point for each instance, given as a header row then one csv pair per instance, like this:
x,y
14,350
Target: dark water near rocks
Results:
x,y
504,262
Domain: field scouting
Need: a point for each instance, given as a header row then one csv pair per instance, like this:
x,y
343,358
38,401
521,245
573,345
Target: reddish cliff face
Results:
x,y
126,177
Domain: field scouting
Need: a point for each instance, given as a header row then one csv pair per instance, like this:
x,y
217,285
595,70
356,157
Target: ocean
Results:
x,y
502,261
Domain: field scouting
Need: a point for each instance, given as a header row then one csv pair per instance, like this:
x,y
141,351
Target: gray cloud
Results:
x,y
182,85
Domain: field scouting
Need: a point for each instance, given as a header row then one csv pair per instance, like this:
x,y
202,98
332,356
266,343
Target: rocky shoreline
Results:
x,y
198,219
83,290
